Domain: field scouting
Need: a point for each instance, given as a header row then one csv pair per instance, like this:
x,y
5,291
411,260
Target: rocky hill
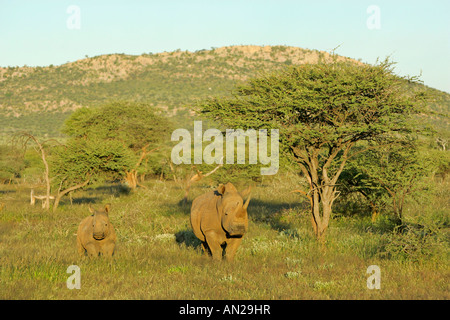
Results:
x,y
38,99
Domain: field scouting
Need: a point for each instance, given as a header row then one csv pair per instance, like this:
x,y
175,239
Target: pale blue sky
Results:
x,y
416,34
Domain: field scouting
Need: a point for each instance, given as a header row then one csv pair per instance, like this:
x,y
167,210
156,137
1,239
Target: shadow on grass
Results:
x,y
188,238
260,211
96,194
7,191
271,213
84,200
115,189
185,206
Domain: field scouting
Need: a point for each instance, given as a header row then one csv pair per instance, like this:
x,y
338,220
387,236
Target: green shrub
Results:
x,y
412,242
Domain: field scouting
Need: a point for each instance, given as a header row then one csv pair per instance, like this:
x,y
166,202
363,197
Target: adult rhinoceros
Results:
x,y
219,219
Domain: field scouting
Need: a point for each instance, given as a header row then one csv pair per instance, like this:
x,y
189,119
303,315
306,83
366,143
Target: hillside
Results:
x,y
38,99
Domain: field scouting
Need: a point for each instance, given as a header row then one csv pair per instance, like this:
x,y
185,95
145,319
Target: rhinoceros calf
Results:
x,y
219,219
96,234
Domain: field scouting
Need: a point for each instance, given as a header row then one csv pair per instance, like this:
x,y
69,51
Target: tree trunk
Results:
x,y
46,203
321,207
375,213
131,176
398,210
64,192
131,179
322,192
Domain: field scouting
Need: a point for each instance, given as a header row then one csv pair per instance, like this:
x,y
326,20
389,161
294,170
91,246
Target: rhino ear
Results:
x,y
221,189
107,208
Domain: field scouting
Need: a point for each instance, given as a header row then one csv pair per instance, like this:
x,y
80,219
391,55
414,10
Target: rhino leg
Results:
x,y
205,247
80,248
232,246
92,250
108,249
214,245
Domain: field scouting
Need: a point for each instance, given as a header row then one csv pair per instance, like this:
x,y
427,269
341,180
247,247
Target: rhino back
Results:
x,y
204,214
85,230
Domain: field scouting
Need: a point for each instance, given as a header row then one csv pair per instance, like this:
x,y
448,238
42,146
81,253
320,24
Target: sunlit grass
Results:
x,y
158,257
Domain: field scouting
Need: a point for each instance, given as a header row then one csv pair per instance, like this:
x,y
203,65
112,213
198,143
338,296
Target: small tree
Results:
x,y
136,126
388,175
322,111
81,162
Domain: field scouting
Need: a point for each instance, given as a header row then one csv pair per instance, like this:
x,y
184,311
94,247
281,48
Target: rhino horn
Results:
x,y
247,202
245,193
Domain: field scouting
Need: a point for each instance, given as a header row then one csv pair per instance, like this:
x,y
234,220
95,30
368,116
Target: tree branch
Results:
x,y
29,136
64,192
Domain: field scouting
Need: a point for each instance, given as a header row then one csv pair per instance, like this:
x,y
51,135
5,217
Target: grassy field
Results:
x,y
158,257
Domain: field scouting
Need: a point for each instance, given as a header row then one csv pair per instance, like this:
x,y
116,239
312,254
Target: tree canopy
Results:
x,y
109,142
322,110
136,127
389,174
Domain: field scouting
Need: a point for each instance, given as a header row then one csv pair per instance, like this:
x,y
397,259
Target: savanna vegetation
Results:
x,y
362,181
41,98
158,257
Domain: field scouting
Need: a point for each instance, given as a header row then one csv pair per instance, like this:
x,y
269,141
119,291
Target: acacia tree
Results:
x,y
135,126
321,111
80,162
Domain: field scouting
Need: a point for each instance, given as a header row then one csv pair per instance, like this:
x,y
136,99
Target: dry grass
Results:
x,y
158,257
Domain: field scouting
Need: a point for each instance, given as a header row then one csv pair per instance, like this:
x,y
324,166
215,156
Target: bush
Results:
x,y
412,242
